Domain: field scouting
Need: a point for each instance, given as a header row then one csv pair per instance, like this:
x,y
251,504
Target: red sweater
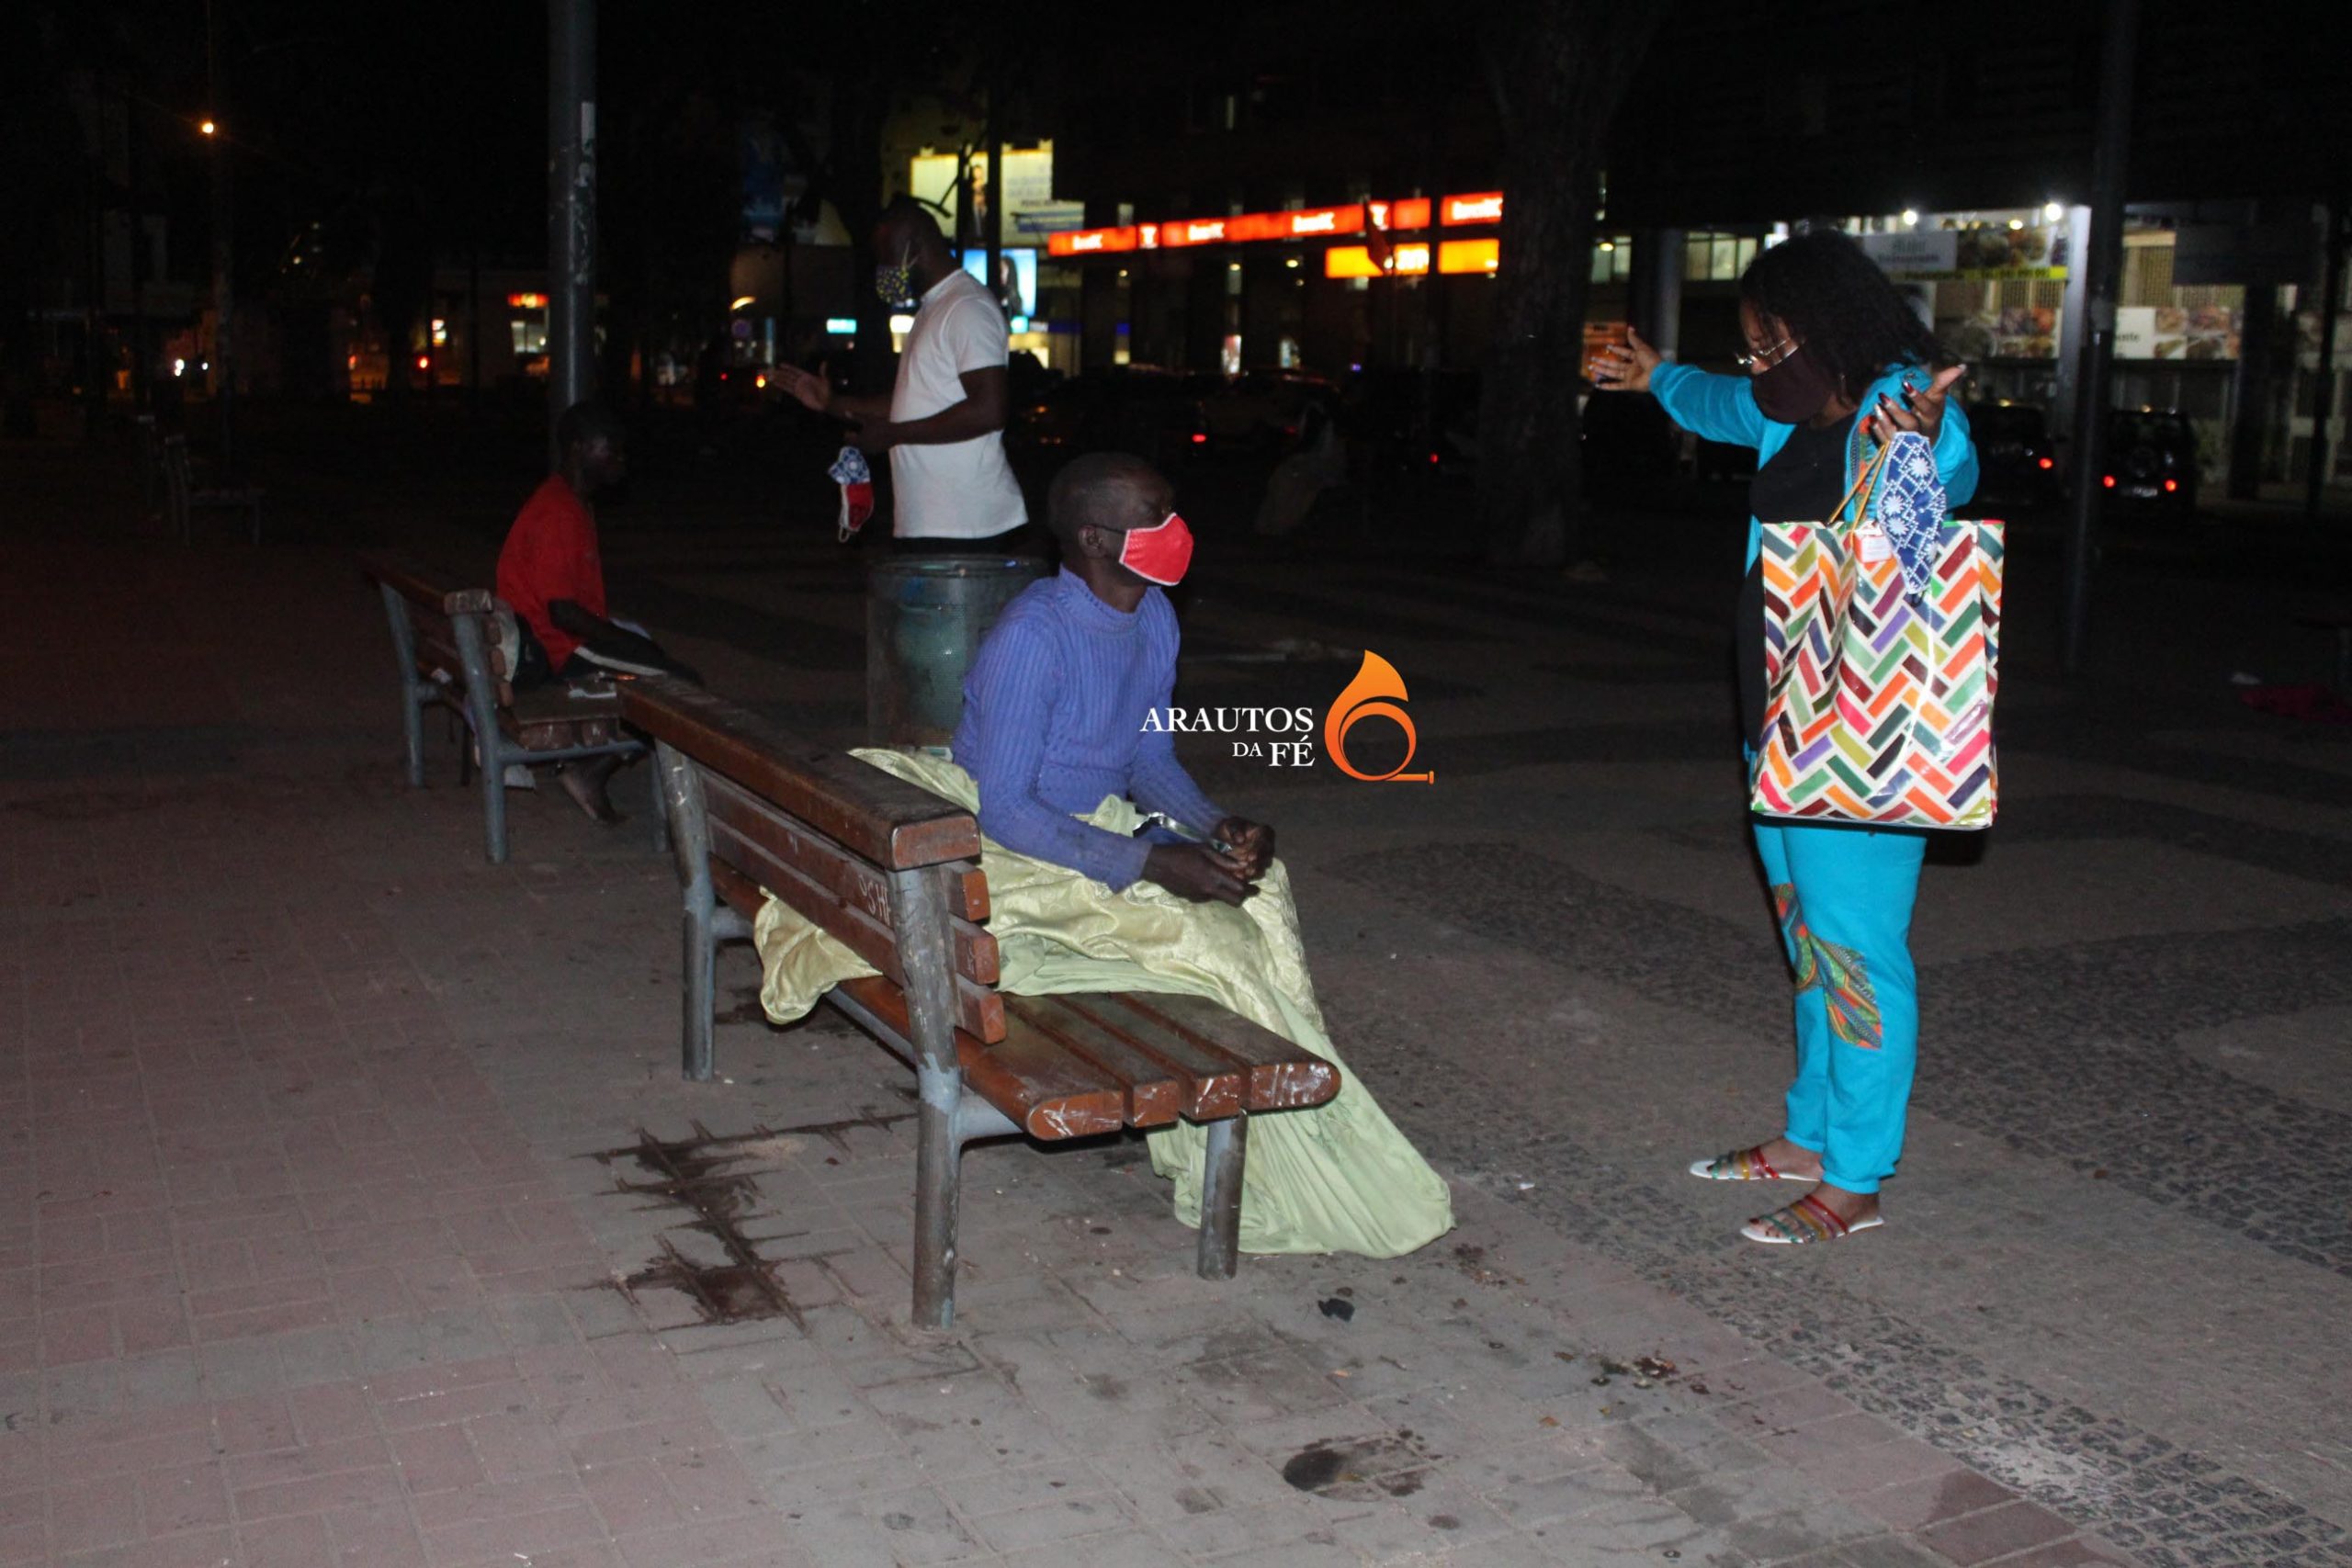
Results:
x,y
550,553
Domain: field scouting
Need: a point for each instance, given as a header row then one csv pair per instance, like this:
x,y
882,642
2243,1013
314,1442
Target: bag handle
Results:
x,y
1865,487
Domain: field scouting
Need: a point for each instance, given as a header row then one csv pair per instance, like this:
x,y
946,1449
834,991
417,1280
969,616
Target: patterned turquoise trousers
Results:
x,y
1844,898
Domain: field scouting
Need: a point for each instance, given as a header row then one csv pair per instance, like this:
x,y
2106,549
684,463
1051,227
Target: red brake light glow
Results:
x,y
2171,485
2108,481
2048,463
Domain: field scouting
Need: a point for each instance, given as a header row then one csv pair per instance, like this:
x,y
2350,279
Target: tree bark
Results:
x,y
1558,69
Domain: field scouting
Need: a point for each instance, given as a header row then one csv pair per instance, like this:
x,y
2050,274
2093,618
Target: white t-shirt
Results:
x,y
961,489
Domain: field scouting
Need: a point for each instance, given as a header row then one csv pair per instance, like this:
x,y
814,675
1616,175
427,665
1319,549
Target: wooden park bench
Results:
x,y
186,498
891,870
447,641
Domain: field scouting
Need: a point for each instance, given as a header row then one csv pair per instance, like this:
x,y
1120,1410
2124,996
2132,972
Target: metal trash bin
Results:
x,y
925,618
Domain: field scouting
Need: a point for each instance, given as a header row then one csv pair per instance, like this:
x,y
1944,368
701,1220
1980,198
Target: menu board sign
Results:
x,y
2175,332
1985,255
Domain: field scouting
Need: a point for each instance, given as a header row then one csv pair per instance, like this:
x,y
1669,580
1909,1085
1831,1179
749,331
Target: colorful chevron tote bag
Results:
x,y
1881,653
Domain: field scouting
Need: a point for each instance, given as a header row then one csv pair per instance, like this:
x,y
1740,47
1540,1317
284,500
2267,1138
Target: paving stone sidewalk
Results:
x,y
323,1172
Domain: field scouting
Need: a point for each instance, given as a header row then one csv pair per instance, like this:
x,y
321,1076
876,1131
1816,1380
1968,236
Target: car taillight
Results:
x,y
1433,457
2048,462
2108,481
2171,485
1200,438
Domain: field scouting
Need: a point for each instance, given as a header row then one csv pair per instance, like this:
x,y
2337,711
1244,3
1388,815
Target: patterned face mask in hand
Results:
x,y
1912,508
849,472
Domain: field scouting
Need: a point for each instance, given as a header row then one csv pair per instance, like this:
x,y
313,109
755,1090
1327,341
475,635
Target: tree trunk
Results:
x,y
859,109
1558,69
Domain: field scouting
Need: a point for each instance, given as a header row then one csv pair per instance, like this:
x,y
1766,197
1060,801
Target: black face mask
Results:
x,y
1794,391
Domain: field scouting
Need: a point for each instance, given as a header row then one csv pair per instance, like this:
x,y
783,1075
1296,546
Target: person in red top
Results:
x,y
550,554
552,573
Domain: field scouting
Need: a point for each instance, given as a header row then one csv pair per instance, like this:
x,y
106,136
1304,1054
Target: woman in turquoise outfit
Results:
x,y
1835,365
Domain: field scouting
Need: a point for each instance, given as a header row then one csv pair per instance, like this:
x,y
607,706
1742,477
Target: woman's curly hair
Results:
x,y
1836,301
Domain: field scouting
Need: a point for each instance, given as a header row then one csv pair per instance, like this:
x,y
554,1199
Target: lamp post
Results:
x,y
571,206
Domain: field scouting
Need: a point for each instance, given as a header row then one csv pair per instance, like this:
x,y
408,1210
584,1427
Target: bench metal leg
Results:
x,y
1220,1244
415,694
412,736
939,1157
482,704
678,792
661,803
701,961
493,809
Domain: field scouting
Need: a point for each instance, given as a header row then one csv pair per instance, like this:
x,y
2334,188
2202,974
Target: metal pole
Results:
x,y
2331,300
225,380
993,236
571,206
2103,259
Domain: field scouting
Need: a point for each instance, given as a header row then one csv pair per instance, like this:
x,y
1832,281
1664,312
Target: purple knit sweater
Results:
x,y
1054,710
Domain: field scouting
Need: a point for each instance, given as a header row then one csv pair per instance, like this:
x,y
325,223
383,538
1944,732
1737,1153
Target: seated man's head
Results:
x,y
590,449
1115,514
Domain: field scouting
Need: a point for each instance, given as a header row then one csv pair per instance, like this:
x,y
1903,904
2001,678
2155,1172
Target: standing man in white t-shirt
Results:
x,y
943,422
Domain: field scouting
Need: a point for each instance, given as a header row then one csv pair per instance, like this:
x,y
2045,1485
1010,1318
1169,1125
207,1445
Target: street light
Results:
x,y
204,128
742,303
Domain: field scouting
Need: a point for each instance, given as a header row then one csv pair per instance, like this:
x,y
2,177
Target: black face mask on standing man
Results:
x,y
1794,391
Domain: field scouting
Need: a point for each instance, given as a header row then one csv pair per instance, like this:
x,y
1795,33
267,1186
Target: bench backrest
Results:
x,y
826,834
432,609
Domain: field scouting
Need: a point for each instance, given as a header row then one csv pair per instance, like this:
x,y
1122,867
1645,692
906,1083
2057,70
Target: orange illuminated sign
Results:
x,y
1411,260
528,301
1311,223
1485,207
1090,242
1468,256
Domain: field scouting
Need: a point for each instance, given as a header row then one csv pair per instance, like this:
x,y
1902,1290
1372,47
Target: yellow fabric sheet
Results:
x,y
1339,1177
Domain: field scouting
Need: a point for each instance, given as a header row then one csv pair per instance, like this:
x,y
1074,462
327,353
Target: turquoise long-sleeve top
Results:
x,y
1722,408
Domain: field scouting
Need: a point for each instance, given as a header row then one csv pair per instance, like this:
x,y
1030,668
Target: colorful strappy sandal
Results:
x,y
1742,1164
1807,1220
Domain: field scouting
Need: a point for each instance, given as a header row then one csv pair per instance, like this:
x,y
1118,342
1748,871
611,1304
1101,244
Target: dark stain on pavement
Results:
x,y
703,1175
1360,1469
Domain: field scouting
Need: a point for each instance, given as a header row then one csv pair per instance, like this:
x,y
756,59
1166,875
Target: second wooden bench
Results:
x,y
892,871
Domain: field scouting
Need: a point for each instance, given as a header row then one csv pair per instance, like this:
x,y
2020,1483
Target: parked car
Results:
x,y
1259,411
2017,456
1412,422
1142,409
2151,462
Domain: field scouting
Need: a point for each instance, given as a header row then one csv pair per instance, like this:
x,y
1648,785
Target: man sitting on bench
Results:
x,y
551,572
1109,870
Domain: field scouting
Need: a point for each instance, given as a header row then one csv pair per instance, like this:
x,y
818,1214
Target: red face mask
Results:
x,y
1158,554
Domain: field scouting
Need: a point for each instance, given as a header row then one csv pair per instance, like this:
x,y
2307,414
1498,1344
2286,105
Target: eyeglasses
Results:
x,y
1765,358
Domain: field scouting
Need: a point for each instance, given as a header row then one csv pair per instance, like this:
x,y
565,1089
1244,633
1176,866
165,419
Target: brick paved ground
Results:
x,y
315,1207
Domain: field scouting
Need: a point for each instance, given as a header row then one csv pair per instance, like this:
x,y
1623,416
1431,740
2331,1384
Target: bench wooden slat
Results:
x,y
741,869
1047,1092
406,578
848,917
1207,1086
438,653
857,881
1282,1076
1155,1096
896,825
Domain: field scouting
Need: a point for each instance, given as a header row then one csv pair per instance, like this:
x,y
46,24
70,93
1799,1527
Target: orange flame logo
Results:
x,y
1367,696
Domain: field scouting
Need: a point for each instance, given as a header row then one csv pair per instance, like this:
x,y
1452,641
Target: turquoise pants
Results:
x,y
1844,898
